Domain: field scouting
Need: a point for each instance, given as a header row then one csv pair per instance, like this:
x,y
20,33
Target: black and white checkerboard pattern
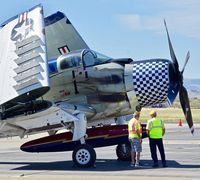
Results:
x,y
151,82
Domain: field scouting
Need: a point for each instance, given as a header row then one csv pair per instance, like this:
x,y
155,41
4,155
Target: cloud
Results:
x,y
133,21
141,22
182,17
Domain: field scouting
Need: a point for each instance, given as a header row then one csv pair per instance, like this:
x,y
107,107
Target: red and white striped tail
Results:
x,y
22,17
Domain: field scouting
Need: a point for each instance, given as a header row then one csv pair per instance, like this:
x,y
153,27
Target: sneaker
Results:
x,y
132,165
155,166
138,165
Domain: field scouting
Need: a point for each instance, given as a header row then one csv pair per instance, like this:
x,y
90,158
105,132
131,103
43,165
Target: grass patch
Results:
x,y
194,103
169,114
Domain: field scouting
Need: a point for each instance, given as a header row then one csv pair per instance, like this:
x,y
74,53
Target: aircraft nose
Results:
x,y
149,80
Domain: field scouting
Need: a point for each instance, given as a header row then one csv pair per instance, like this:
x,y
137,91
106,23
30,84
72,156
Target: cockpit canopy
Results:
x,y
78,58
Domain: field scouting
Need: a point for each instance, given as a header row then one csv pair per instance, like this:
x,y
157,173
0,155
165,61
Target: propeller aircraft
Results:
x,y
51,80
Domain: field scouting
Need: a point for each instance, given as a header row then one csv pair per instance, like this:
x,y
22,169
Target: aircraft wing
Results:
x,y
61,36
23,62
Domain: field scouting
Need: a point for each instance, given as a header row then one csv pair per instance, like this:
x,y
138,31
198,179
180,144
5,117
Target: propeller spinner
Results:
x,y
183,95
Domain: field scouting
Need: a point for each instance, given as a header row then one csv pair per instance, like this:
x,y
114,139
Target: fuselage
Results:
x,y
101,88
112,87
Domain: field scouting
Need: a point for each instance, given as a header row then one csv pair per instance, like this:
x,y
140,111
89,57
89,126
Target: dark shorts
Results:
x,y
136,146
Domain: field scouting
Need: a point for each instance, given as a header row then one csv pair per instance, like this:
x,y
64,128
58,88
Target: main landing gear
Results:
x,y
123,151
84,156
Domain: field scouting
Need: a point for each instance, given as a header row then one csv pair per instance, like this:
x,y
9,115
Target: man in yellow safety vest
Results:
x,y
135,138
155,130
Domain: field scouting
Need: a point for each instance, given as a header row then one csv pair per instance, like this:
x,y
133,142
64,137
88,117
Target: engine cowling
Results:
x,y
147,82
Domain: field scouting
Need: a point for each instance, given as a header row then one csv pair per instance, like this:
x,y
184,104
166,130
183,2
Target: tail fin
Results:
x,y
61,36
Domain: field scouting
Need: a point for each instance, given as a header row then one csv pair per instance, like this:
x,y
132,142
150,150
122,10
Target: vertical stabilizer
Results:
x,y
62,37
23,62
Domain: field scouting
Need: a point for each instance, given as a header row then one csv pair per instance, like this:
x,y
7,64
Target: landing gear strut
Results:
x,y
83,155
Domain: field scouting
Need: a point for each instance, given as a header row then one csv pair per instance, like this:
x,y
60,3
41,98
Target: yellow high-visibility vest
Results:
x,y
155,128
133,131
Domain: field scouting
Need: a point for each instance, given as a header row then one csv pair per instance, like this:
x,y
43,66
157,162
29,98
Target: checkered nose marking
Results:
x,y
151,82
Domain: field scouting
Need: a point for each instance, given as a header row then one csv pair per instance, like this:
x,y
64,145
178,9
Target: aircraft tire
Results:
x,y
84,156
123,152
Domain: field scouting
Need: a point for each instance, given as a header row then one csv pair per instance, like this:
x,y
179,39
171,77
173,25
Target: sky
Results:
x,y
129,28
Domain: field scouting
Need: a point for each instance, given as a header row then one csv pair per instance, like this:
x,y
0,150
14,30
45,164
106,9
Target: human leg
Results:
x,y
152,144
162,151
133,158
133,153
138,149
137,163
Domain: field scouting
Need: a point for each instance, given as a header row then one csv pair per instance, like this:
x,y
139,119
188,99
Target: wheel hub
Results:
x,y
83,156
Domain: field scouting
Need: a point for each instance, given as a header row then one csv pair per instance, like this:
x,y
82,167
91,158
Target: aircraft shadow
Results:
x,y
101,165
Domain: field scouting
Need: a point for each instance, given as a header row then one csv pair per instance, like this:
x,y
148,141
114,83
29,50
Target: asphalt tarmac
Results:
x,y
182,153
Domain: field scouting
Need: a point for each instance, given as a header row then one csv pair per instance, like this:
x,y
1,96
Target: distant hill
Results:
x,y
193,87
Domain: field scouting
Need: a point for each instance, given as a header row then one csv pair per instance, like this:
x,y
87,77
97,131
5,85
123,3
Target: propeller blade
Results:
x,y
184,100
172,54
186,61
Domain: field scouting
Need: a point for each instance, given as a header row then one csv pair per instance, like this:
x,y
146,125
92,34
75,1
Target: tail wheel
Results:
x,y
84,156
123,152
